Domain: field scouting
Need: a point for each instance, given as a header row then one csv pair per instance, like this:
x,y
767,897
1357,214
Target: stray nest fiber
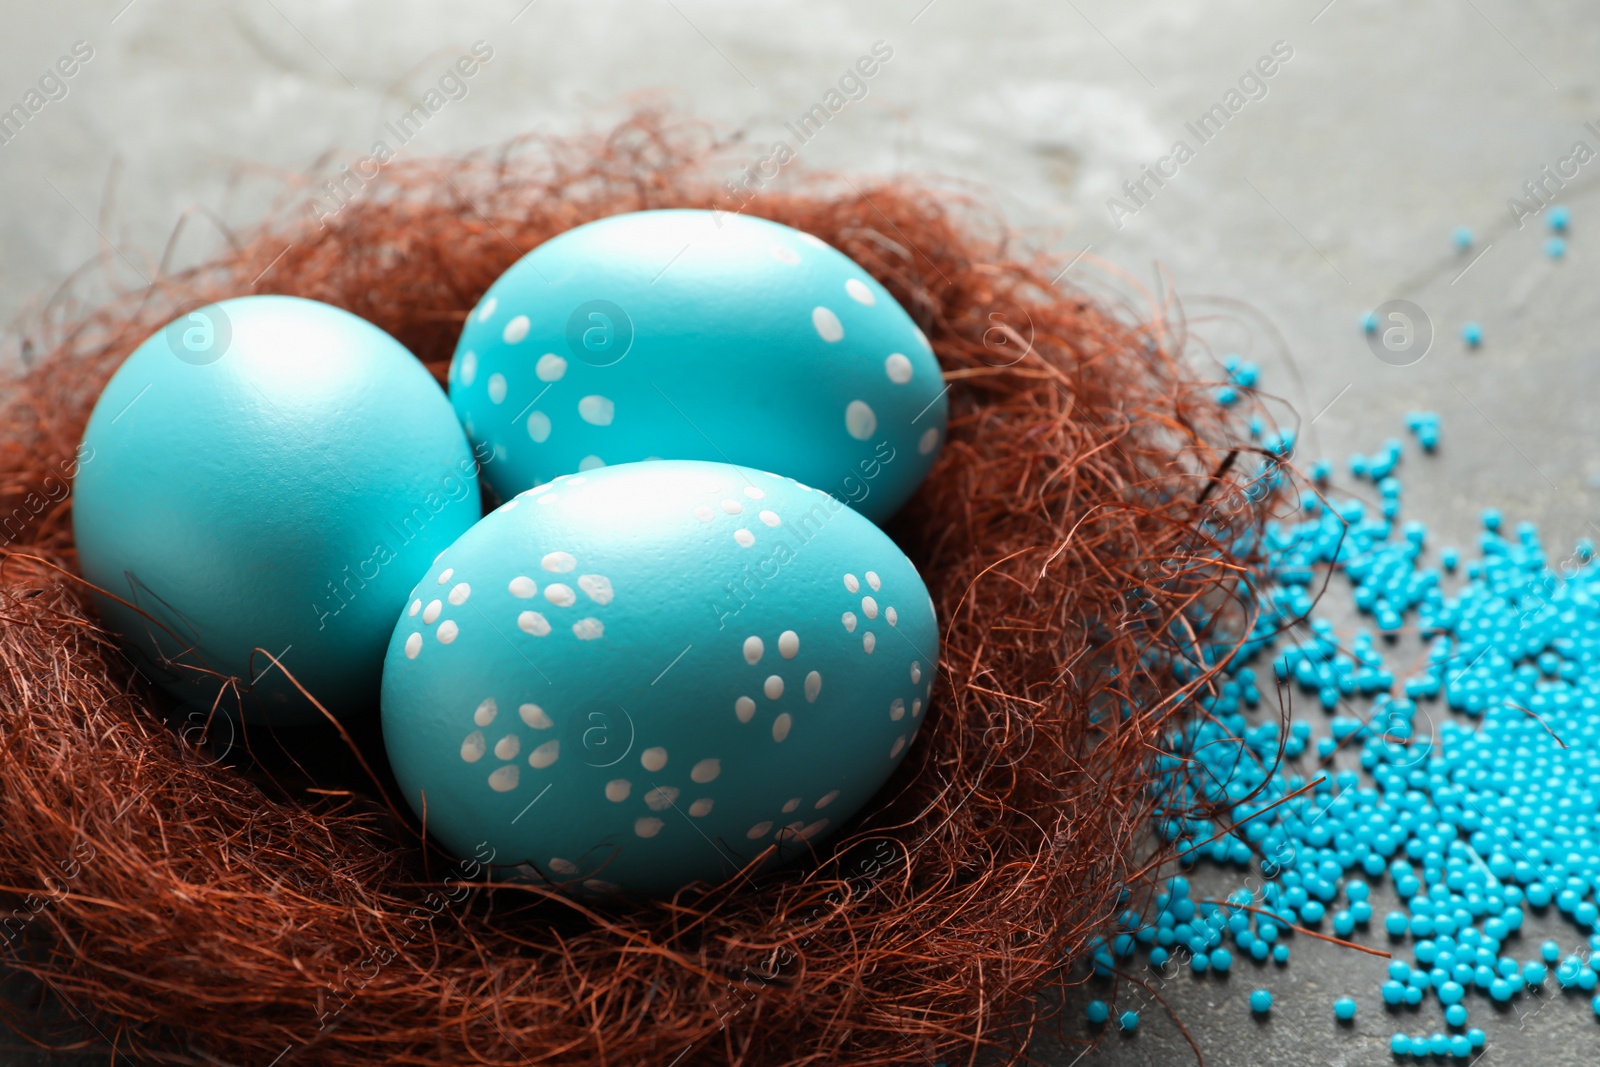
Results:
x,y
199,910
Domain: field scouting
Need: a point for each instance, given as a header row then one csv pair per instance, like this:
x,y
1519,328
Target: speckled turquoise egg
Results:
x,y
648,674
273,473
700,335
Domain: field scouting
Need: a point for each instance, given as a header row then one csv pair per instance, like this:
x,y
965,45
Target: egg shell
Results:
x,y
685,334
664,669
274,473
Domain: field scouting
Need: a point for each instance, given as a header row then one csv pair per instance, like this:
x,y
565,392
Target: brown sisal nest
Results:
x,y
204,911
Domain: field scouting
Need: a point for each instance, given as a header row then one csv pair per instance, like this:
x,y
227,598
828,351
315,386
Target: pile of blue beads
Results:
x,y
1480,766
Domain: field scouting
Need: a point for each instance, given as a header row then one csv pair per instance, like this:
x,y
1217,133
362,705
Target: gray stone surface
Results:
x,y
1335,191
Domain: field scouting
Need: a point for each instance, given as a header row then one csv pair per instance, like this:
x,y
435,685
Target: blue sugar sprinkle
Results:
x,y
1260,1001
1097,1012
1559,218
1129,1021
1472,334
1369,322
1555,247
1461,236
1400,1045
1344,1009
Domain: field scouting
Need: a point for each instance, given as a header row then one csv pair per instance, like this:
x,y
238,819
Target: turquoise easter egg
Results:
x,y
700,335
646,675
268,473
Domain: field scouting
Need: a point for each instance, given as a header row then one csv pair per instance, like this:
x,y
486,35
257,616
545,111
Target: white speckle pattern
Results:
x,y
828,326
515,330
473,748
459,593
589,463
929,441
446,574
869,607
522,587
759,830
469,367
813,686
706,771
617,790
869,642
770,518
753,650
744,707
827,798
653,759
531,622
753,493
661,798
544,755
539,427
859,292
558,562
561,866
873,581
508,747
701,808
649,826
791,804
588,629
732,507
487,309
550,368
430,614
773,687
851,584
897,710
787,256
596,410
505,779
413,646
916,707
534,716
899,747
704,514
788,644
744,537
497,388
849,620
898,368
780,727
597,587
560,595
860,420
891,616
447,631
416,606
916,672
484,714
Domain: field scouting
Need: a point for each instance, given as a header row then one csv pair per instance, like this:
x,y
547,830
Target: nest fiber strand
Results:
x,y
197,913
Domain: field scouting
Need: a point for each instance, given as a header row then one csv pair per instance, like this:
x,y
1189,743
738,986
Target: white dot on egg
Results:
x,y
447,631
544,755
485,712
560,595
597,587
860,420
589,463
531,622
813,686
561,866
473,748
770,518
416,606
617,790
916,707
874,581
869,641
897,710
791,804
812,239
706,771
446,574
535,716
813,829
701,808
753,493
849,620
780,727
597,410
588,629
827,324
550,368
732,507
505,779
859,292
558,562
661,798
923,338
745,708
869,607
515,330
788,644
649,826
916,672
785,255
899,747
753,650
929,441
704,514
773,687
759,830
744,537
508,747
539,427
790,832
497,388
413,645
851,584
827,798
522,586
653,759
898,368
548,498
459,593
892,616
487,309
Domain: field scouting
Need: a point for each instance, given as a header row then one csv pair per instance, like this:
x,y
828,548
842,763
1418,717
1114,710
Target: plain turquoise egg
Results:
x,y
273,473
648,674
700,335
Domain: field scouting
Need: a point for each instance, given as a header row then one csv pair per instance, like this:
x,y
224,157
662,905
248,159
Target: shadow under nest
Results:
x,y
204,911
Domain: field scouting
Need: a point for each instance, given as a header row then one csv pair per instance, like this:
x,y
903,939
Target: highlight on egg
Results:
x,y
646,675
683,334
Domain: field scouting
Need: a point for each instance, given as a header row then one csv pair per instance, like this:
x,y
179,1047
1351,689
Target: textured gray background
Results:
x,y
1391,124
